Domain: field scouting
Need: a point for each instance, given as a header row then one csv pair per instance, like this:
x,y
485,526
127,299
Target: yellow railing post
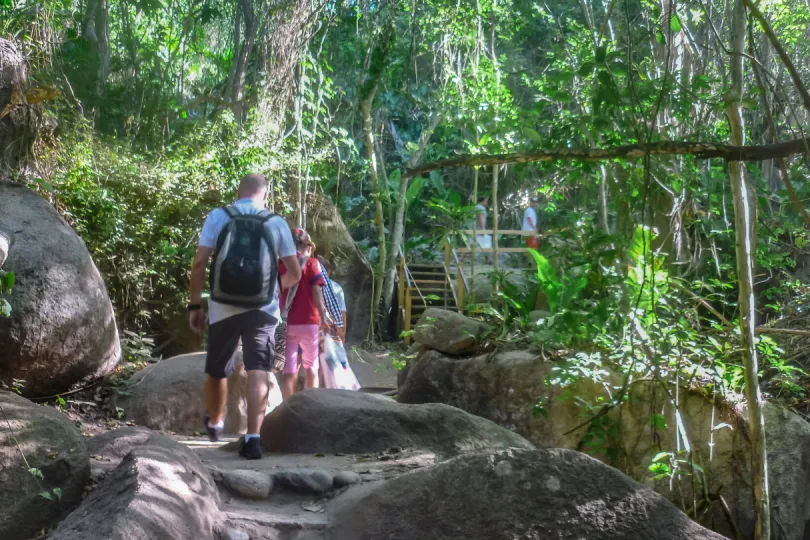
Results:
x,y
460,285
408,315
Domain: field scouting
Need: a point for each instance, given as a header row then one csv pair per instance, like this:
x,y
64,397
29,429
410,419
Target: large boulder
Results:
x,y
340,421
62,327
347,265
716,435
449,332
515,494
170,395
511,389
40,450
159,491
504,388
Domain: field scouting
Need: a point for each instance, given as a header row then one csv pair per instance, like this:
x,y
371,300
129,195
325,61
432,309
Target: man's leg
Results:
x,y
258,353
223,337
257,391
216,392
310,353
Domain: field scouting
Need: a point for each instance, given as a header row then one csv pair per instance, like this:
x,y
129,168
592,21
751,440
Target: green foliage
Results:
x,y
6,286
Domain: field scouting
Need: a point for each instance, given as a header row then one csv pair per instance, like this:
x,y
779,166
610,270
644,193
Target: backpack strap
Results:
x,y
293,290
264,215
231,211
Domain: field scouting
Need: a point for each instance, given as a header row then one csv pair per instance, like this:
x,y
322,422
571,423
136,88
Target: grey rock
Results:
x,y
305,480
233,534
347,478
340,421
449,332
347,264
53,445
169,396
467,498
248,484
501,388
160,491
62,327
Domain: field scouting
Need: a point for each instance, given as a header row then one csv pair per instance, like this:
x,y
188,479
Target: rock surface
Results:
x,y
515,494
347,478
506,387
169,396
51,444
503,388
305,480
330,421
62,327
347,264
248,484
449,332
160,491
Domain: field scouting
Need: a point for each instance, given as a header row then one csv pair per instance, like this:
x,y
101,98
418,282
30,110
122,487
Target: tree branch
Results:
x,y
794,73
698,149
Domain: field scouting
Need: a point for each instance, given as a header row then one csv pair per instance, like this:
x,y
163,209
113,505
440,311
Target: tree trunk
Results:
x,y
745,217
399,218
96,30
495,170
379,219
242,59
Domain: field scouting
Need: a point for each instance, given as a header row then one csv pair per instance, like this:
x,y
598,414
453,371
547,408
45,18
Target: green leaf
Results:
x,y
660,456
601,54
586,69
7,280
58,492
675,24
46,495
660,422
5,308
417,184
533,135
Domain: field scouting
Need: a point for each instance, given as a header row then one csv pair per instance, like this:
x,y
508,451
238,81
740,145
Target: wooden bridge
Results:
x,y
446,284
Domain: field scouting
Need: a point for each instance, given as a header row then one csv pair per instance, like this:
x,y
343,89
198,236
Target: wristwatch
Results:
x,y
193,307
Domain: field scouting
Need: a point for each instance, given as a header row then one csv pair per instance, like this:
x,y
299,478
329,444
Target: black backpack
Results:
x,y
244,270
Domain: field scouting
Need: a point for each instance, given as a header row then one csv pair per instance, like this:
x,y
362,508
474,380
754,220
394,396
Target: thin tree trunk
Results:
x,y
379,215
242,59
495,216
745,217
399,219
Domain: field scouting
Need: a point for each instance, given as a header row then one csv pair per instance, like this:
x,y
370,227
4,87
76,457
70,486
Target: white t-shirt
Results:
x,y
284,245
480,210
341,297
527,215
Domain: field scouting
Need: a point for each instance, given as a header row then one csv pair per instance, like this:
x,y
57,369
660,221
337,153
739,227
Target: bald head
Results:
x,y
253,186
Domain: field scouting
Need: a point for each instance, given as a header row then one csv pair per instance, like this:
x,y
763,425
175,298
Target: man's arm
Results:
x,y
481,218
196,318
293,273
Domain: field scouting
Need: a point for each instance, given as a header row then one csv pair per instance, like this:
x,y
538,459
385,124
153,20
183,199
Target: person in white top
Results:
x,y
530,224
341,298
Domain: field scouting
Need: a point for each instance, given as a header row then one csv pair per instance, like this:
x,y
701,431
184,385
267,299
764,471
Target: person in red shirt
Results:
x,y
307,311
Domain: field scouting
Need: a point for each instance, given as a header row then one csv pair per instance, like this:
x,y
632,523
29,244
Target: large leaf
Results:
x,y
415,189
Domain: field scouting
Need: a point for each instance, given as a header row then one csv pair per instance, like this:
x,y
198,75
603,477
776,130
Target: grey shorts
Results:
x,y
257,331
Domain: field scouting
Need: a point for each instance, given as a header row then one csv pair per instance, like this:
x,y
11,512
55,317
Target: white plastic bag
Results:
x,y
335,370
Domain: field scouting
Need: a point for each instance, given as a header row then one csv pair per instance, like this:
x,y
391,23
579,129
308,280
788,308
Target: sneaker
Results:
x,y
213,433
251,449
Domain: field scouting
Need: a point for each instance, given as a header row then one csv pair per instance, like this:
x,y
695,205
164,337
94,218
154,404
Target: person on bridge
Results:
x,y
530,224
248,243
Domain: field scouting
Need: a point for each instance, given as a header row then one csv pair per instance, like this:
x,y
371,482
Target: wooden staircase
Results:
x,y
428,285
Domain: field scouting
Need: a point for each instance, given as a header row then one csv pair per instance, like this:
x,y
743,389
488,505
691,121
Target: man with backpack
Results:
x,y
247,243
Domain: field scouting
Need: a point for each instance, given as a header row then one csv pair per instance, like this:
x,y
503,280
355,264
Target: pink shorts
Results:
x,y
306,337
